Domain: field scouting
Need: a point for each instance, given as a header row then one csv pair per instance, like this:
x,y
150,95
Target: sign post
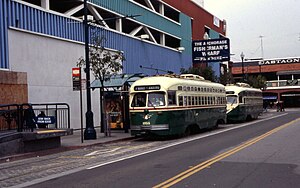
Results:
x,y
76,77
77,86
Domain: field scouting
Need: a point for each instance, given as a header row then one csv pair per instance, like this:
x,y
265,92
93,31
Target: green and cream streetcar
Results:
x,y
243,102
175,105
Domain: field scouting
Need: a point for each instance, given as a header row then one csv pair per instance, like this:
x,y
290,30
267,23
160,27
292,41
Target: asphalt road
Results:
x,y
262,153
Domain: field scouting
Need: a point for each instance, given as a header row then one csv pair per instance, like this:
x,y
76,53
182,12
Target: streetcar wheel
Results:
x,y
187,131
216,125
249,118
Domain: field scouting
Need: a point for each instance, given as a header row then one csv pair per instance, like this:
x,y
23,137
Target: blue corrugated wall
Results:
x,y
215,65
139,53
136,52
126,7
3,35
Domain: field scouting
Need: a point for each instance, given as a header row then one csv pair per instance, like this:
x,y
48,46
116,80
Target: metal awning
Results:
x,y
117,80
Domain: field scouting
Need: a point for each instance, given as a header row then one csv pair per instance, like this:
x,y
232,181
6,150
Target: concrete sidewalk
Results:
x,y
76,141
70,142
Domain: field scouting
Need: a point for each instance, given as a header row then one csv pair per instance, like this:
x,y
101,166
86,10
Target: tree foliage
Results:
x,y
205,72
226,77
257,81
103,62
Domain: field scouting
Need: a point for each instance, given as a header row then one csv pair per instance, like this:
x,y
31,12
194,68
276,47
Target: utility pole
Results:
x,y
242,57
262,51
261,46
89,132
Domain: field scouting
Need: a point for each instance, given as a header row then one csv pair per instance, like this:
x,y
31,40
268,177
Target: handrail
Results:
x,y
22,117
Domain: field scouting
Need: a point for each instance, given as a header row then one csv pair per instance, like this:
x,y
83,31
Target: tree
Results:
x,y
257,81
103,64
205,72
226,77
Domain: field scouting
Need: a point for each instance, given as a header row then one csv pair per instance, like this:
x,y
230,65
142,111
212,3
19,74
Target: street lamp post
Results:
x,y
242,57
89,132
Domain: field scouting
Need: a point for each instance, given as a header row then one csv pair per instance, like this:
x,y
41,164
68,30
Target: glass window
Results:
x,y
189,100
231,99
180,88
240,98
180,100
139,100
171,97
156,99
185,101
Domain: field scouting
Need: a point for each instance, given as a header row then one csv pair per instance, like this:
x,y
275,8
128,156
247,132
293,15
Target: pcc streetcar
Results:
x,y
243,102
175,105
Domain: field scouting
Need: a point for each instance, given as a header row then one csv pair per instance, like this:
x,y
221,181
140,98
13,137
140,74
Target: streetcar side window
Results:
x,y
171,97
139,100
198,100
180,101
240,99
193,100
185,101
156,99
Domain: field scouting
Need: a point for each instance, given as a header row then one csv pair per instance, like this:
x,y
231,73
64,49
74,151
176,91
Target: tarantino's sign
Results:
x,y
280,61
212,50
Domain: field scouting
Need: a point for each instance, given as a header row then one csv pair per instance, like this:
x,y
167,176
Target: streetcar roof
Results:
x,y
238,89
166,82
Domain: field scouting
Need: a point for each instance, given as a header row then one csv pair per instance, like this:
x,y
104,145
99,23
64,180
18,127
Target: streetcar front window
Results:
x,y
231,99
156,99
139,100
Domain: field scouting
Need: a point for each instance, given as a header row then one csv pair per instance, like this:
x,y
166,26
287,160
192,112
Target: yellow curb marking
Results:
x,y
50,131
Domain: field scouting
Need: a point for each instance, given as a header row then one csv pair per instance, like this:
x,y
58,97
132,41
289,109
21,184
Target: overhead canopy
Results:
x,y
117,80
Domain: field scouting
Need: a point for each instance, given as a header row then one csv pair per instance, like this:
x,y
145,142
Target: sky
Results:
x,y
277,21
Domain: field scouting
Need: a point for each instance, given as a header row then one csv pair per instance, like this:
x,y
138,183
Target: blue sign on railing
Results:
x,y
45,120
212,50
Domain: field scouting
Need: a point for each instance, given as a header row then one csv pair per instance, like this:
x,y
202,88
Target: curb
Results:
x,y
61,149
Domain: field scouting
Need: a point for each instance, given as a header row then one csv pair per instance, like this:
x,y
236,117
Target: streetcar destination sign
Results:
x,y
143,88
212,50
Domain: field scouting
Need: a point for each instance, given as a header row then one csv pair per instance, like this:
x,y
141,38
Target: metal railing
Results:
x,y
61,112
23,117
9,117
282,83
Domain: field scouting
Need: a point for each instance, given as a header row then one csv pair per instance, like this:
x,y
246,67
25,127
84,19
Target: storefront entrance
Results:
x,y
116,99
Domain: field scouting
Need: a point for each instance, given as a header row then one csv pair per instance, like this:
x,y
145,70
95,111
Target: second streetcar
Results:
x,y
243,102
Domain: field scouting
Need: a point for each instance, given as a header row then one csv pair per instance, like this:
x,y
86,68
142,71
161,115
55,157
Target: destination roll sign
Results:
x,y
212,50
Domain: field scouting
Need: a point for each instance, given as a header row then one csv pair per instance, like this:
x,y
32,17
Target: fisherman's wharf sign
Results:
x,y
280,61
